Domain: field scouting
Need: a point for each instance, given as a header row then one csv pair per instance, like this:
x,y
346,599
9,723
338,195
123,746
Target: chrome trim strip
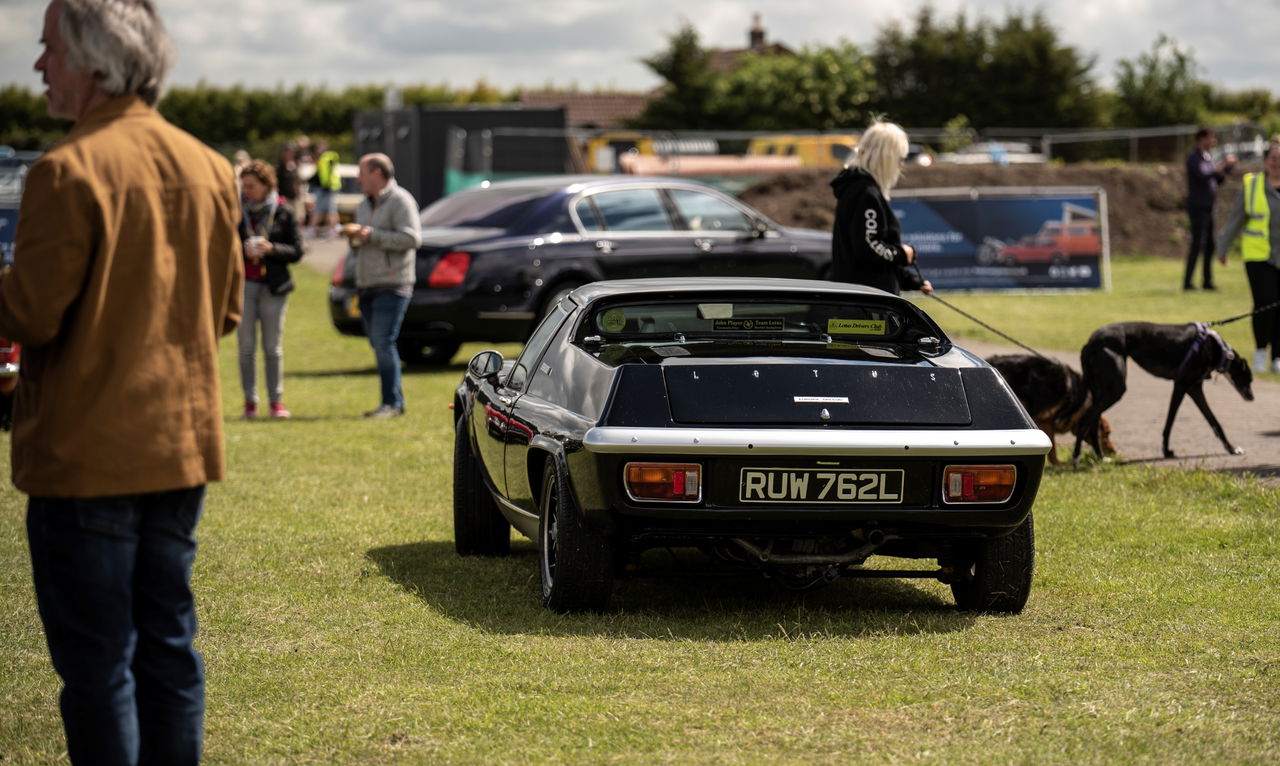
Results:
x,y
517,509
815,441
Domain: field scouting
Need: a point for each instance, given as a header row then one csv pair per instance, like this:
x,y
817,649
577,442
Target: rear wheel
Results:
x,y
417,353
576,561
479,528
998,577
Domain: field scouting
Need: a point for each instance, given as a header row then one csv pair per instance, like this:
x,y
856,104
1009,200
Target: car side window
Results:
x,y
632,210
705,212
533,349
587,214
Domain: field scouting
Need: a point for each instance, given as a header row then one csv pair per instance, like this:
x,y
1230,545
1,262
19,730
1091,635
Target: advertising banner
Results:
x,y
998,238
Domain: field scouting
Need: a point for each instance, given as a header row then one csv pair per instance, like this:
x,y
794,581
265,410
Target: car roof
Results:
x,y
667,286
587,182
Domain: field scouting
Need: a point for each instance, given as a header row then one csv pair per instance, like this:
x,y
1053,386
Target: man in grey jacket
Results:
x,y
384,240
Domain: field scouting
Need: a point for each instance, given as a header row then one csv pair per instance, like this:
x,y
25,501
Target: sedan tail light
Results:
x,y
9,354
339,272
978,483
664,481
450,270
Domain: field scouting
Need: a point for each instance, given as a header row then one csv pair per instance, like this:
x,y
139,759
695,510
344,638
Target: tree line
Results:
x,y
935,72
236,117
930,72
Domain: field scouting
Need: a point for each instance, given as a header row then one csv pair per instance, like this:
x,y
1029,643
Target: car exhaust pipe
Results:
x,y
875,538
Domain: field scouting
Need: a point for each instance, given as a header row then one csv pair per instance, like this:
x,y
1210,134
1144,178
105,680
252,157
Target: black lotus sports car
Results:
x,y
792,427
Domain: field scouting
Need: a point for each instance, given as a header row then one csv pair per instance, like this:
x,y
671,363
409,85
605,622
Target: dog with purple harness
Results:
x,y
1187,354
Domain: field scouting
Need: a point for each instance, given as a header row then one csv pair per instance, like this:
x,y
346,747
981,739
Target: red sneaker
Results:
x,y
250,410
278,411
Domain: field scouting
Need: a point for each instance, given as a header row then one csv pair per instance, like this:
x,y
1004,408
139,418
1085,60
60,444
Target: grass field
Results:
x,y
338,626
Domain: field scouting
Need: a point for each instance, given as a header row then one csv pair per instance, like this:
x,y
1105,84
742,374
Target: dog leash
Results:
x,y
981,323
1229,320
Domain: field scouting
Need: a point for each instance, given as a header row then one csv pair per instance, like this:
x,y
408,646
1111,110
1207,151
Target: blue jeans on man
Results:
x,y
112,580
382,312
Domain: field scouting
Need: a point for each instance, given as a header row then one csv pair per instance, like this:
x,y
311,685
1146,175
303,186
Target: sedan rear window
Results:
x,y
483,208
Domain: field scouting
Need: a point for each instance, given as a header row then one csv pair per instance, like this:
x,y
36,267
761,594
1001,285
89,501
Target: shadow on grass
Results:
x,y
1159,459
1252,471
365,371
408,369
501,595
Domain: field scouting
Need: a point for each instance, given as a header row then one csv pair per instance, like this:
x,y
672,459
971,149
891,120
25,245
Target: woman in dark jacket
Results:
x,y
271,240
866,243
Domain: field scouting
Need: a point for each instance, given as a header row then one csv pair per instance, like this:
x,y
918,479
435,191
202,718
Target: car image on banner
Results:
x,y
1008,239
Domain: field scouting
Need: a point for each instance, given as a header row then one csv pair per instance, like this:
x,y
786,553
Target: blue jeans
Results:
x,y
382,314
112,579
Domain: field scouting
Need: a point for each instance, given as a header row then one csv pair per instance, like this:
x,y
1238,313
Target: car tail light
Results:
x,y
339,272
664,481
450,270
978,483
9,353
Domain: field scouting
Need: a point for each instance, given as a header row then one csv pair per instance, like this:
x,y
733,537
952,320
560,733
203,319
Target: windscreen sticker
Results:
x,y
613,320
856,326
758,324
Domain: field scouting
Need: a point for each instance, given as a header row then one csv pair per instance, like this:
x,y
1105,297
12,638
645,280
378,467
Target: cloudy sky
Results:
x,y
599,43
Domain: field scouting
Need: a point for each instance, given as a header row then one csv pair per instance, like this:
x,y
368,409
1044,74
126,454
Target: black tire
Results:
x,y
998,578
575,561
420,354
479,528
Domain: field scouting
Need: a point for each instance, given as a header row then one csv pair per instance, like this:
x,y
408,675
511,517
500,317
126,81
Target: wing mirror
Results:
x,y
760,230
485,365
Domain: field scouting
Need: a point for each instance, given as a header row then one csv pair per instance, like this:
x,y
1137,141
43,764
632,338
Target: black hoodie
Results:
x,y
866,242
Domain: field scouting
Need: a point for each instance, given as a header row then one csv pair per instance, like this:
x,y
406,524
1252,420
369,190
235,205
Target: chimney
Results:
x,y
757,33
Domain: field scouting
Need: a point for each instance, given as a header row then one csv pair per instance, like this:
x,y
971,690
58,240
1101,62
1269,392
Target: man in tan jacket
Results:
x,y
127,269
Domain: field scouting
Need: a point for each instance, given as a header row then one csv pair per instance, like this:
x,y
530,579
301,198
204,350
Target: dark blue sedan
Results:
x,y
495,258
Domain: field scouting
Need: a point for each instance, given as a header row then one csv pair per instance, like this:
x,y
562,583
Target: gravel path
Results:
x,y
1138,419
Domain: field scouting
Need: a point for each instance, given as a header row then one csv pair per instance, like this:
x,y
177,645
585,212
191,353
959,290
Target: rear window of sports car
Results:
x,y
709,320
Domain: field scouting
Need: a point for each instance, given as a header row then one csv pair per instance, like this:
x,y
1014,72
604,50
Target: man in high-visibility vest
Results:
x,y
324,219
1255,219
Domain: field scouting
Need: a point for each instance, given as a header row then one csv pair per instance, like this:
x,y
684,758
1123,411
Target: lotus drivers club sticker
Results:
x,y
856,326
613,320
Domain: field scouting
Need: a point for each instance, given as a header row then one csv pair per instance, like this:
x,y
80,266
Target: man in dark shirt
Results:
x,y
1203,177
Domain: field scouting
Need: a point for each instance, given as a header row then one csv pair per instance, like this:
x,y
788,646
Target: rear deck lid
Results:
x,y
815,394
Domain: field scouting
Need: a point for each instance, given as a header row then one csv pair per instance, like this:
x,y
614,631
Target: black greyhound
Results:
x,y
1184,353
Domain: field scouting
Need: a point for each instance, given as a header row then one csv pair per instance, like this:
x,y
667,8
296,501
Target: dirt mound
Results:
x,y
1144,202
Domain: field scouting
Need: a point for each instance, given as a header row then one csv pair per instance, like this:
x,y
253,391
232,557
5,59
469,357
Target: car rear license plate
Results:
x,y
820,485
353,306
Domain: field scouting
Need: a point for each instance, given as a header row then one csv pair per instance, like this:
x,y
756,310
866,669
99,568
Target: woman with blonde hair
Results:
x,y
866,243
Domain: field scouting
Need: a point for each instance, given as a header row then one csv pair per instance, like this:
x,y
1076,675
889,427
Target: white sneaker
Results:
x,y
1260,360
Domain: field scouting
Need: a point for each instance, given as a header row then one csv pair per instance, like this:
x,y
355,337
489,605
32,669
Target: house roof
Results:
x,y
590,110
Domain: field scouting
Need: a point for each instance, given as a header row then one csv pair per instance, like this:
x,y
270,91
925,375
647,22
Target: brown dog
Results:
x,y
1053,394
